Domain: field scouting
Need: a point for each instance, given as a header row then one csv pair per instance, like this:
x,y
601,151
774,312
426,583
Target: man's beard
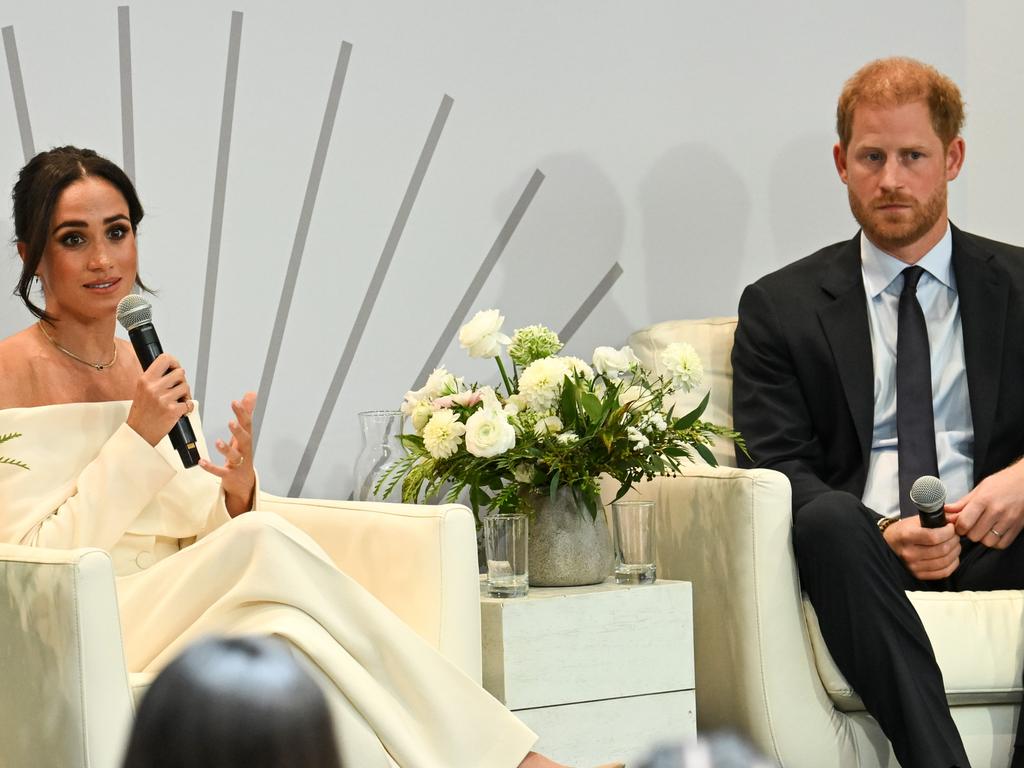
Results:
x,y
890,235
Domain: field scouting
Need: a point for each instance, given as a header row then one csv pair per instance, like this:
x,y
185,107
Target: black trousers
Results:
x,y
857,584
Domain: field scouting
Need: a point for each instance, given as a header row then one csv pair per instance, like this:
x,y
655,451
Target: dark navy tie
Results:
x,y
915,420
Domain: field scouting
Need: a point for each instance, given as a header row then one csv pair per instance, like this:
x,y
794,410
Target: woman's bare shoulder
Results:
x,y
18,355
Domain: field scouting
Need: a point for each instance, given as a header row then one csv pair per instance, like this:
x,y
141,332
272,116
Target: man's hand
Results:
x,y
928,553
993,513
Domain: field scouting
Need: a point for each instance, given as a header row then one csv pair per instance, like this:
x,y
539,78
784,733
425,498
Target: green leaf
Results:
x,y
555,479
412,442
590,503
706,454
623,490
592,405
568,403
688,420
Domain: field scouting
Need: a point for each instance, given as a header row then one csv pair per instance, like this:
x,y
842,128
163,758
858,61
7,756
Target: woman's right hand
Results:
x,y
162,396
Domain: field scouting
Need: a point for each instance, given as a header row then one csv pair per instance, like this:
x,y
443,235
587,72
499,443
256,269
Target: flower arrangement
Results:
x,y
560,422
5,459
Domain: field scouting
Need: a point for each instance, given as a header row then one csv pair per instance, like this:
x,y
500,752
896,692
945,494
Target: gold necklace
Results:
x,y
69,353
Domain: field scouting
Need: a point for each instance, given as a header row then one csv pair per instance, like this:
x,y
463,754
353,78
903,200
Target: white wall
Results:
x,y
688,142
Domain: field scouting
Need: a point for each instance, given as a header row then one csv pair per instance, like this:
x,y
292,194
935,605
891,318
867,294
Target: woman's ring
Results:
x,y
241,461
995,532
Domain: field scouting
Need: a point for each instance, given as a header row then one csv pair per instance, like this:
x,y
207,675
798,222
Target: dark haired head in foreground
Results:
x,y
721,750
233,702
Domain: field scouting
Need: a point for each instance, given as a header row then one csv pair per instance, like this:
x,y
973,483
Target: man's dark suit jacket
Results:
x,y
803,379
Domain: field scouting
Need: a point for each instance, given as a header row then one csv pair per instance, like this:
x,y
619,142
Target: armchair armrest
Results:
x,y
65,698
417,559
728,531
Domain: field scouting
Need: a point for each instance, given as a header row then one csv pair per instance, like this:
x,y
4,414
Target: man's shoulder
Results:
x,y
1012,255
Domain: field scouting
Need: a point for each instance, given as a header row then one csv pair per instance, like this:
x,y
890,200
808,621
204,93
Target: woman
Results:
x,y
240,702
104,475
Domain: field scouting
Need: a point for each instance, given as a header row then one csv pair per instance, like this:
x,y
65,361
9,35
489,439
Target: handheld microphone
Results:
x,y
929,496
135,315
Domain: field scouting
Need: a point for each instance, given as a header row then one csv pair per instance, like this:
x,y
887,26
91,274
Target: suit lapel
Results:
x,y
845,323
983,301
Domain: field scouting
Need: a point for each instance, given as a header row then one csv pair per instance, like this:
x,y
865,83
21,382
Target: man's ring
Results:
x,y
241,461
996,533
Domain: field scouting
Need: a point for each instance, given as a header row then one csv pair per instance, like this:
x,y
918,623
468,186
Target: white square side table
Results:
x,y
600,673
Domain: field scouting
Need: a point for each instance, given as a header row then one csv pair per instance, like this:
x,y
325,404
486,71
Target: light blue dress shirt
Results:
x,y
954,429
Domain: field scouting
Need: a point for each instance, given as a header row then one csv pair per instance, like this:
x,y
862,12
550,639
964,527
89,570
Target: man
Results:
x,y
853,386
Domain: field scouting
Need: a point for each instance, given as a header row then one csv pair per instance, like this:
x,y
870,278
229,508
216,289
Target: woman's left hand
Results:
x,y
237,476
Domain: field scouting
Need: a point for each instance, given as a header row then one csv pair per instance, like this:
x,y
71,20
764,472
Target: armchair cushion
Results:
x,y
978,639
417,559
712,340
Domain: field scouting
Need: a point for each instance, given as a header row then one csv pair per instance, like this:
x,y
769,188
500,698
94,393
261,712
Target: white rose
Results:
x,y
574,364
440,382
488,433
421,415
482,336
518,402
683,363
443,434
489,399
614,362
549,425
630,395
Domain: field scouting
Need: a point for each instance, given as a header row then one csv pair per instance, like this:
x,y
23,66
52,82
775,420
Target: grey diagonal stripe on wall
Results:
x,y
482,273
18,91
372,291
589,303
227,115
299,243
124,47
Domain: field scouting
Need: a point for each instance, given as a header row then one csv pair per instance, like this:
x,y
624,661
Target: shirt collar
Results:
x,y
880,269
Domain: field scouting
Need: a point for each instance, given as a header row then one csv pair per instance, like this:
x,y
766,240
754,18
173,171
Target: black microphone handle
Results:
x,y
935,519
147,349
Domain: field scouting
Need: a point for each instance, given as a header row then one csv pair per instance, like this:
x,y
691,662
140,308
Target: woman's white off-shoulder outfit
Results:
x,y
185,569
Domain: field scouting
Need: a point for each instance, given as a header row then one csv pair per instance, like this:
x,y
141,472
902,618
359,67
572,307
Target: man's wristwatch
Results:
x,y
885,522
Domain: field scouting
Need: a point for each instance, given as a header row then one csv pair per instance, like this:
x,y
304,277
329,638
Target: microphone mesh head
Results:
x,y
928,493
133,311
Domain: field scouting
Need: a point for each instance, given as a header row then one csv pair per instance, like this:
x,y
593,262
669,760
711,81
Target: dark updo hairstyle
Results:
x,y
40,185
241,702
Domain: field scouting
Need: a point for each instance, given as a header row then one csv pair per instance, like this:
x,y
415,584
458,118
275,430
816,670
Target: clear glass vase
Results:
x,y
381,449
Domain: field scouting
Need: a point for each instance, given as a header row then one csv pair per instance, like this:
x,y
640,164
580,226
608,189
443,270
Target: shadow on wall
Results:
x,y
696,213
569,238
809,207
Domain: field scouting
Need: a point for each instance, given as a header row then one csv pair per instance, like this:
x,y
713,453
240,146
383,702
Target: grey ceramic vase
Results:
x,y
566,547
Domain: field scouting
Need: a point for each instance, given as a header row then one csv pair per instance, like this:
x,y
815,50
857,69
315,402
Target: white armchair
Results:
x,y
762,666
66,699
